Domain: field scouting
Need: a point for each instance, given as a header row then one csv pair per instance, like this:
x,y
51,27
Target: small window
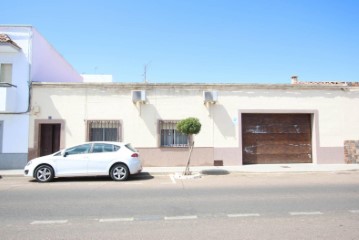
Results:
x,y
170,137
5,73
104,130
103,147
81,149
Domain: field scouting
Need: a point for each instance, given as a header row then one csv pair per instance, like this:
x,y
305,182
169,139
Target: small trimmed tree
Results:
x,y
189,126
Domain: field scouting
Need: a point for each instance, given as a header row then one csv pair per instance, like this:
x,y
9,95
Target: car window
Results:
x,y
104,147
81,149
129,146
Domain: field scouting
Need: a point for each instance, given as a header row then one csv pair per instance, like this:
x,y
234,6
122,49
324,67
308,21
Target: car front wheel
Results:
x,y
44,173
119,172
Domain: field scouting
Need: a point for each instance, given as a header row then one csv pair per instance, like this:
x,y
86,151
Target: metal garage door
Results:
x,y
276,138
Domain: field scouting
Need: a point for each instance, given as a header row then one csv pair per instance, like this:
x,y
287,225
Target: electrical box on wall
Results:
x,y
210,97
138,96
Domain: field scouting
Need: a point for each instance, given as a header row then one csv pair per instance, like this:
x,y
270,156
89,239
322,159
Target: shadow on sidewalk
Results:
x,y
215,172
139,177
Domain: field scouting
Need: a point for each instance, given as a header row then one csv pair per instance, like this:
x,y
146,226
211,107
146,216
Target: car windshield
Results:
x,y
131,148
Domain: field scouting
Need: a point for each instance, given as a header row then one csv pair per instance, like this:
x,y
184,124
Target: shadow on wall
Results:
x,y
223,121
149,114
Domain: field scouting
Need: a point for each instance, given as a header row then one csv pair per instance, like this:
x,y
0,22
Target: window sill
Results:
x,y
4,84
175,146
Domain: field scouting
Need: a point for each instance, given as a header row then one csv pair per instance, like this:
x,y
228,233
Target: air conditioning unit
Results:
x,y
210,96
139,96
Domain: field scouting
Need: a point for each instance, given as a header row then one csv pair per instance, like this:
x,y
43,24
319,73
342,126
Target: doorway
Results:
x,y
49,138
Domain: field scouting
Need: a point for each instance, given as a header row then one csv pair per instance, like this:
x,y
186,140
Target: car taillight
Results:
x,y
134,155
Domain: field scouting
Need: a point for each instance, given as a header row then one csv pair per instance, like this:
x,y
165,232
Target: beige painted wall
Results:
x,y
334,114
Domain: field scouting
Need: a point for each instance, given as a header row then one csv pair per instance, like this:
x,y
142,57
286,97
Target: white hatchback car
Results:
x,y
118,160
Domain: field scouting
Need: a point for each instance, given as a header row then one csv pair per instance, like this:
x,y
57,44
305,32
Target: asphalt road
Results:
x,y
229,206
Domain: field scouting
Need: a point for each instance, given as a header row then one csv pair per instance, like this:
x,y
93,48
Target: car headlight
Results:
x,y
29,163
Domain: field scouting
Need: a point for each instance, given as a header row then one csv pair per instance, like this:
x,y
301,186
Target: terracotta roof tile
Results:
x,y
328,83
4,38
295,81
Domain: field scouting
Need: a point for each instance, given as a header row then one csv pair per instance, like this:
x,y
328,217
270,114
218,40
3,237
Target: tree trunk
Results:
x,y
187,171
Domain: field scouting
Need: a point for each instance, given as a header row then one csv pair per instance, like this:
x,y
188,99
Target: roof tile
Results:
x,y
4,38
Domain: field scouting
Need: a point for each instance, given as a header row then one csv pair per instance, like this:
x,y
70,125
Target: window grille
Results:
x,y
104,130
170,137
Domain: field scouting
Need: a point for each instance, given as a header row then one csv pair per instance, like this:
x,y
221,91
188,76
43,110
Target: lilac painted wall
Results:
x,y
48,65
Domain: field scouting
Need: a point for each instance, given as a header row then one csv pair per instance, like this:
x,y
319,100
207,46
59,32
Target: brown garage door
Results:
x,y
276,138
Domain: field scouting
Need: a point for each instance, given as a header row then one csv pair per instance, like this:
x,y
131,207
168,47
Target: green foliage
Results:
x,y
189,126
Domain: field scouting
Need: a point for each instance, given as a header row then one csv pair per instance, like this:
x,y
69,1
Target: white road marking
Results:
x,y
305,213
243,215
104,220
181,217
49,222
354,211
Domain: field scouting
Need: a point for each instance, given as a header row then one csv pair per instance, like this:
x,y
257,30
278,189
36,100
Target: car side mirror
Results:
x,y
64,153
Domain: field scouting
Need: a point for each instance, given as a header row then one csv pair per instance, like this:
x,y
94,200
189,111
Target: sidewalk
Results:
x,y
256,168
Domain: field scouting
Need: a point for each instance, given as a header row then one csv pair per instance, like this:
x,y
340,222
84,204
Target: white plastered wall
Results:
x,y
333,110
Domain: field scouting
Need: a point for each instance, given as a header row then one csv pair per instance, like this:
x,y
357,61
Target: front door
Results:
x,y
49,138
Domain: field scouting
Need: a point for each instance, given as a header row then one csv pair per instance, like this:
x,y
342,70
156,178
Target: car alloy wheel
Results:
x,y
119,172
44,174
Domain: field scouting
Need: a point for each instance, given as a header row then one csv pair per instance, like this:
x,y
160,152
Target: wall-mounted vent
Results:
x,y
210,96
139,96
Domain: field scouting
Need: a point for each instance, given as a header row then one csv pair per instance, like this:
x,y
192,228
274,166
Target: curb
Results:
x,y
210,170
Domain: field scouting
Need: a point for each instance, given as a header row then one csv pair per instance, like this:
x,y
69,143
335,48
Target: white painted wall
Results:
x,y
334,110
47,64
36,61
15,131
16,99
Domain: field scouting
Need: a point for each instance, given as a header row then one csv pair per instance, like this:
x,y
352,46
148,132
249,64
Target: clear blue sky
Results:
x,y
200,41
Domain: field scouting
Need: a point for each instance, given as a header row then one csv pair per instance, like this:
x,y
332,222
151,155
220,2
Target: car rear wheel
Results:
x,y
119,172
44,173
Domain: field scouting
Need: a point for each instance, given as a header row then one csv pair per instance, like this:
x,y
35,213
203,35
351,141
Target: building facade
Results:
x,y
241,123
25,57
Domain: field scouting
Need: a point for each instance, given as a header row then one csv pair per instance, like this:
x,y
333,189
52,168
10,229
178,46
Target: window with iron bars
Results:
x,y
104,130
170,137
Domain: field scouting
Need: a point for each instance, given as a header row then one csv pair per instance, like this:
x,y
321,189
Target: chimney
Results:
x,y
295,80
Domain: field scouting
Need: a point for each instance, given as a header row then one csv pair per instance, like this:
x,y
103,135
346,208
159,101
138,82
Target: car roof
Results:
x,y
108,142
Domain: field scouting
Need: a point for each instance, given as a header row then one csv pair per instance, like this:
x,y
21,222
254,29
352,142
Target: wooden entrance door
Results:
x,y
49,138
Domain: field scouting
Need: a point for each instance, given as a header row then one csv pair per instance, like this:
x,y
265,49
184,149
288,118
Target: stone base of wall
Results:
x,y
13,160
351,151
201,156
175,157
32,154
